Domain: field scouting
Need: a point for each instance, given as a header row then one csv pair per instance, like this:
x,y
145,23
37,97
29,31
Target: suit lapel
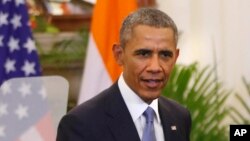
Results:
x,y
118,117
169,124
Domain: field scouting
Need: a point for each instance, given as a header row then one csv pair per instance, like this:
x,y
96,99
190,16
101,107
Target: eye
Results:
x,y
143,53
166,54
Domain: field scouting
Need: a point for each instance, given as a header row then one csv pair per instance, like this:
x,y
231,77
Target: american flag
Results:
x,y
24,112
18,56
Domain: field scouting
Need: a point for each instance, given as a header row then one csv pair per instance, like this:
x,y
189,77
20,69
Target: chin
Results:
x,y
149,100
153,96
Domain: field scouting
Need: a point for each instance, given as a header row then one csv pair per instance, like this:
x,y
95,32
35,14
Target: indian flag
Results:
x,y
100,69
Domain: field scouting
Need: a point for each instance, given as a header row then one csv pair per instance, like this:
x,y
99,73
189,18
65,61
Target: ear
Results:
x,y
177,51
118,53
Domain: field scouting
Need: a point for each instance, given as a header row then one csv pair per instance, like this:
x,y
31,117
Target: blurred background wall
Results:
x,y
214,32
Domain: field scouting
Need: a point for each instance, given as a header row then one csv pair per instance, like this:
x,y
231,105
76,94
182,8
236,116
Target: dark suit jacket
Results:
x,y
106,118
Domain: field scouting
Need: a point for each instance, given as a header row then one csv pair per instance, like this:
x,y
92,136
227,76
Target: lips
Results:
x,y
152,83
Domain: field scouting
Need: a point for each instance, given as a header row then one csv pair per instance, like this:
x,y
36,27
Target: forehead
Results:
x,y
143,34
148,32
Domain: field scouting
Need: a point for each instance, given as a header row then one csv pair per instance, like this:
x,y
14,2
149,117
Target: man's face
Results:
x,y
147,60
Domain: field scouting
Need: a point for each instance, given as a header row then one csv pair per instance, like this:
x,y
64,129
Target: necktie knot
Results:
x,y
149,114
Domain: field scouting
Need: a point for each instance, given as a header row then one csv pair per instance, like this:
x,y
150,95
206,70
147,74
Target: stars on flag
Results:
x,y
16,21
3,18
21,112
3,109
25,89
13,44
19,2
17,46
5,88
30,45
43,93
28,68
22,105
9,65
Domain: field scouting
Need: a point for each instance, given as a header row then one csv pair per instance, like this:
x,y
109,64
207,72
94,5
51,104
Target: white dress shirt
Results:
x,y
137,106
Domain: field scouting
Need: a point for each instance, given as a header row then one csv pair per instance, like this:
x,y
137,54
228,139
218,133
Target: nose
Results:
x,y
154,65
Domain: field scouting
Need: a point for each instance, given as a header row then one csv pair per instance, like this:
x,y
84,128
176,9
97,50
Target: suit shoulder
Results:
x,y
95,106
173,105
89,107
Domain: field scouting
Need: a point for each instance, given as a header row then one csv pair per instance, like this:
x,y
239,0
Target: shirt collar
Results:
x,y
135,104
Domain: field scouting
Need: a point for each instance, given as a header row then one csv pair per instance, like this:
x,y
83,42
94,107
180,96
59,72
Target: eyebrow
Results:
x,y
143,50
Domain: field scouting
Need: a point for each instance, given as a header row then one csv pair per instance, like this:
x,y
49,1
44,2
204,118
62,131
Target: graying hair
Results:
x,y
146,16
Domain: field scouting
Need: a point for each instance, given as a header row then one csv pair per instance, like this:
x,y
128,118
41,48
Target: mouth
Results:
x,y
153,83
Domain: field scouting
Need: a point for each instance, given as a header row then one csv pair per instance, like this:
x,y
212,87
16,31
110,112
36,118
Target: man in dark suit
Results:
x,y
147,52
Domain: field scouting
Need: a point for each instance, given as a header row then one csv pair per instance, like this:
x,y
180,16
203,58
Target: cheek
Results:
x,y
138,67
167,67
135,65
